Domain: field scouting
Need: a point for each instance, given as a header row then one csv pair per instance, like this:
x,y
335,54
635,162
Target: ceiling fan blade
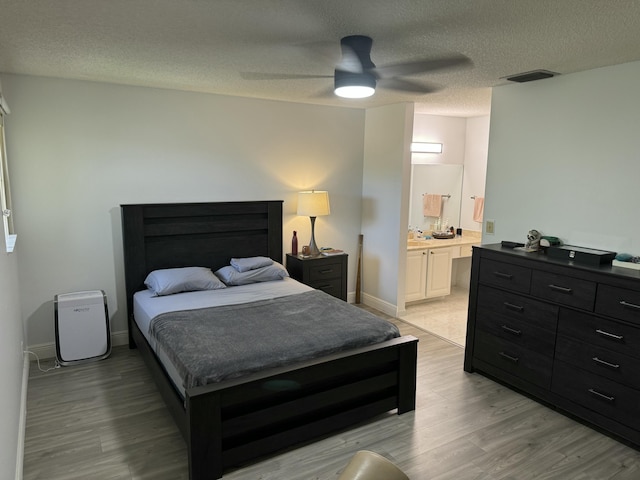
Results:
x,y
278,76
406,86
324,93
423,66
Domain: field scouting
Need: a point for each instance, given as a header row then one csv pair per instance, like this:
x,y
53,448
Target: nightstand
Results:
x,y
328,274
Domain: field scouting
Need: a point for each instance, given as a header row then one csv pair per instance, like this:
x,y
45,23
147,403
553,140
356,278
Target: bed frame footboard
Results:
x,y
239,420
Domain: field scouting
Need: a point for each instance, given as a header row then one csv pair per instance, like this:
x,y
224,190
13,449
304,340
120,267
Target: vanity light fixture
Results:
x,y
426,147
312,204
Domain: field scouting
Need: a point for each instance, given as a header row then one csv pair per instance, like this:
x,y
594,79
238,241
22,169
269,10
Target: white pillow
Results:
x,y
186,279
250,263
231,276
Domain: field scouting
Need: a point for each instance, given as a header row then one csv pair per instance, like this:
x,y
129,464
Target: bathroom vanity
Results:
x,y
431,265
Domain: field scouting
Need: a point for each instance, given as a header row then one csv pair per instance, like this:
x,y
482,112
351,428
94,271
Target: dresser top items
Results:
x,y
578,269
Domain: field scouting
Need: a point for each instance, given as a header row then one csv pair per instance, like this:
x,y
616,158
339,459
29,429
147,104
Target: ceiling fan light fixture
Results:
x,y
354,85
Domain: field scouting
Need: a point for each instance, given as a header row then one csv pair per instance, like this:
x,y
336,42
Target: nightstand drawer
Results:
x,y
328,274
571,291
505,275
527,364
331,286
597,393
325,271
618,303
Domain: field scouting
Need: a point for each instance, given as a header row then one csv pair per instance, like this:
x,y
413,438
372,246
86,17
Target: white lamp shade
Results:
x,y
313,203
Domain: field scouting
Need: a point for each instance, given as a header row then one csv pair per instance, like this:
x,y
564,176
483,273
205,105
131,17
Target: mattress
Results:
x,y
207,338
146,307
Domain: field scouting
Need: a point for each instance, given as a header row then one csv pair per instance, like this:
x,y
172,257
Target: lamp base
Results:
x,y
314,251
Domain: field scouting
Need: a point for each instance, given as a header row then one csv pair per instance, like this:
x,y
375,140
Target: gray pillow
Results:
x,y
250,263
186,279
231,276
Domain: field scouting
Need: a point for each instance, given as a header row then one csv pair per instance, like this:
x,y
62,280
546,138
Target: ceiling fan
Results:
x,y
356,76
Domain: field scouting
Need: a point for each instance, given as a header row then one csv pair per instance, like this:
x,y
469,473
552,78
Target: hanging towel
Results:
x,y
478,209
431,205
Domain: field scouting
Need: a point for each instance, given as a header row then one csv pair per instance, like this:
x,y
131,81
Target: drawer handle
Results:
x,y
509,357
503,275
512,331
605,363
601,395
629,305
511,306
329,270
560,289
611,336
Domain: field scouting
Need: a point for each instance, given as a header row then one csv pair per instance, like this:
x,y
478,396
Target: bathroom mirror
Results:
x,y
440,179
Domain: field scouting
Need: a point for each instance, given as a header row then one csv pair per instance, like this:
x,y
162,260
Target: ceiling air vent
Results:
x,y
531,76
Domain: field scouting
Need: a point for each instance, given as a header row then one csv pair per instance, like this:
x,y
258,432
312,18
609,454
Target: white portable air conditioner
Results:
x,y
82,327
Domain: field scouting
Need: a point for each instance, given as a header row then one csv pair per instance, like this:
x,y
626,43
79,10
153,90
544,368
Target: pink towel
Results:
x,y
478,209
431,205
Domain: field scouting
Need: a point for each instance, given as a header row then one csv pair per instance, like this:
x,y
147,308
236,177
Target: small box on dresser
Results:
x,y
562,333
328,274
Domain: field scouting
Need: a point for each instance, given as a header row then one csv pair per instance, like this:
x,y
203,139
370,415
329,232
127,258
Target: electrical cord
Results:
x,y
56,364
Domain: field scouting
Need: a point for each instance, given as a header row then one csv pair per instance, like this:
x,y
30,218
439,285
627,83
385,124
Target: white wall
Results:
x,y
80,149
475,169
385,200
11,358
564,158
449,131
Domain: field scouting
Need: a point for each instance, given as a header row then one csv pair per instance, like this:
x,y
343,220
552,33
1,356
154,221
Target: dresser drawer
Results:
x,y
527,364
505,275
597,393
618,303
571,291
600,332
513,306
515,330
601,361
325,271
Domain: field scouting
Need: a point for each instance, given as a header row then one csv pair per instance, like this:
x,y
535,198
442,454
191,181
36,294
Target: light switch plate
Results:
x,y
489,227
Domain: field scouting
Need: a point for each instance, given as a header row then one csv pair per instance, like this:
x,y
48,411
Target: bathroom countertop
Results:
x,y
471,239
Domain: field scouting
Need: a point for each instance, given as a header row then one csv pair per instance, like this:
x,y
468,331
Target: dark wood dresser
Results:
x,y
564,333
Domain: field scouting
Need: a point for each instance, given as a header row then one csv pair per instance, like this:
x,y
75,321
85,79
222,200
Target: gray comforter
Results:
x,y
212,344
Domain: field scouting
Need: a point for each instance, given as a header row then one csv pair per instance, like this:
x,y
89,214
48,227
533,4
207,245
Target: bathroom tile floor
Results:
x,y
444,317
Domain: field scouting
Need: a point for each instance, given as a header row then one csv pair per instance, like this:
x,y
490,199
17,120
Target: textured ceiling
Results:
x,y
205,45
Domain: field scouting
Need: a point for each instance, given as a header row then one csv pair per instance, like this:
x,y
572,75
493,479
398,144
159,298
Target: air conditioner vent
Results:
x,y
531,76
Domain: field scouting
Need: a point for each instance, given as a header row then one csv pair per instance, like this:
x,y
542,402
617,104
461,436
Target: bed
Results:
x,y
253,413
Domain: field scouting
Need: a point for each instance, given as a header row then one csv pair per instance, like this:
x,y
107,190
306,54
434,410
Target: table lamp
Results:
x,y
313,204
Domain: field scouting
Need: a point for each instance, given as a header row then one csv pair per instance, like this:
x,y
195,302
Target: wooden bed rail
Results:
x,y
269,411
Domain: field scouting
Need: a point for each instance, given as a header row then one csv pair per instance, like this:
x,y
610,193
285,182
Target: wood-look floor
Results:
x,y
105,420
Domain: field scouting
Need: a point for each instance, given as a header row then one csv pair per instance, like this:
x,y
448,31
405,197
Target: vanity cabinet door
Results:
x,y
416,275
438,272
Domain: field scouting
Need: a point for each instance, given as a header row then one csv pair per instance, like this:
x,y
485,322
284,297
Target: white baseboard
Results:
x,y
378,304
48,350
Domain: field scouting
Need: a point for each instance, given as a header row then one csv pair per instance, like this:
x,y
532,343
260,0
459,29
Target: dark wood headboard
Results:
x,y
173,235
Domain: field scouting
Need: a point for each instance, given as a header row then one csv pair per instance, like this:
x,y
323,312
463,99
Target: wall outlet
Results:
x,y
489,227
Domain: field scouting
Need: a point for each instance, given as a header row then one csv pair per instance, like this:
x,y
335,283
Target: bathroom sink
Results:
x,y
443,235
